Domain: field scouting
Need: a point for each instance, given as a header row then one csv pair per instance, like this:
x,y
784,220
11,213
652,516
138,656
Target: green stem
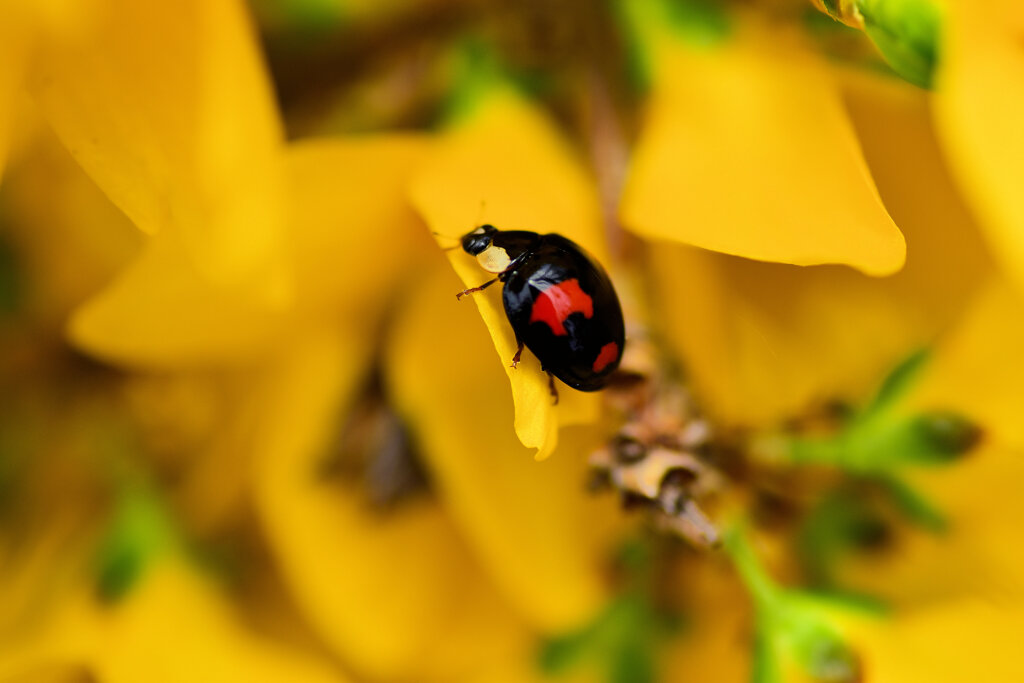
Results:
x,y
762,588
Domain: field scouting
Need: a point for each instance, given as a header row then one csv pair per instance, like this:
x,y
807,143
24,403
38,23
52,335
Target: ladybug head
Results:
x,y
477,241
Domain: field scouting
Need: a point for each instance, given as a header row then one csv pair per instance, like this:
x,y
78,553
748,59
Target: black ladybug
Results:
x,y
559,300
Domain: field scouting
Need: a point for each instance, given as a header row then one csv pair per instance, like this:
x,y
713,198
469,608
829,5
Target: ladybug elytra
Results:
x,y
559,300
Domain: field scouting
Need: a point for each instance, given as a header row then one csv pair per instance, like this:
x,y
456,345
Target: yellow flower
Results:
x,y
765,341
291,351
167,109
358,250
177,626
504,163
949,642
49,200
747,148
959,595
978,107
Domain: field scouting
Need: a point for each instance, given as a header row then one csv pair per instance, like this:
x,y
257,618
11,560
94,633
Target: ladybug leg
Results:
x,y
475,289
519,353
552,389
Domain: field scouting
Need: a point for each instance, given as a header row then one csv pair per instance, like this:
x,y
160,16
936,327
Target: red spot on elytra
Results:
x,y
556,303
609,352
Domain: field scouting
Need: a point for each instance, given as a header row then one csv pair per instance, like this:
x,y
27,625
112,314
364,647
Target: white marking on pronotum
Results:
x,y
494,259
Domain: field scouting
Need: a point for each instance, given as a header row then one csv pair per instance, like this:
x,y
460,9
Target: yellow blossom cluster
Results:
x,y
249,434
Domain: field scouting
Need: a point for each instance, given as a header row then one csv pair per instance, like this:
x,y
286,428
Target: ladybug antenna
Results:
x,y
458,240
480,214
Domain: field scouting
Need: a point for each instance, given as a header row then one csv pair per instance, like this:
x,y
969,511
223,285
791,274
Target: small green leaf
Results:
x,y
841,521
138,531
914,506
121,566
883,443
906,32
827,658
879,439
935,438
947,434
897,384
853,603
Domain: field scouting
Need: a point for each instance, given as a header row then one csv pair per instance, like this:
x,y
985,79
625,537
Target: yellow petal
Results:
x,y
978,370
71,240
161,312
397,595
356,238
975,371
167,106
506,164
972,559
196,424
979,107
718,647
174,626
12,58
763,342
962,641
534,527
747,150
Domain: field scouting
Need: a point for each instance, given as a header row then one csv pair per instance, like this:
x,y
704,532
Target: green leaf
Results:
x,y
880,441
947,435
907,34
828,658
897,384
840,522
138,531
925,439
121,566
914,506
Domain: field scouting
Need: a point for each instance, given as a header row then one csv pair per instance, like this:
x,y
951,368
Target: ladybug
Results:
x,y
559,300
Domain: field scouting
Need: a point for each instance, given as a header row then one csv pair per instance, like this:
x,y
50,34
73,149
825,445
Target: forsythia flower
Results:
x,y
293,454
747,149
978,108
146,98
